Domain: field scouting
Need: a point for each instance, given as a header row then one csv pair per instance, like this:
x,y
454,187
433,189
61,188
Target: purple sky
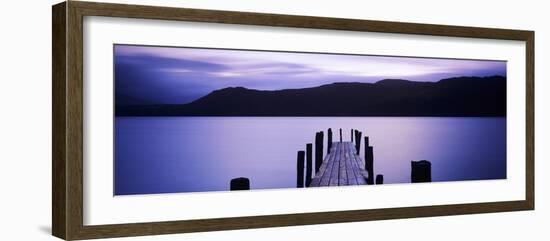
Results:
x,y
169,75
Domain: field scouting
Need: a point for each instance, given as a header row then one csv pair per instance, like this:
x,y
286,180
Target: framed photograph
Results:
x,y
171,120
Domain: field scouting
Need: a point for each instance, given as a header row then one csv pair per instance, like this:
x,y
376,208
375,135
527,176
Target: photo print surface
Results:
x,y
203,119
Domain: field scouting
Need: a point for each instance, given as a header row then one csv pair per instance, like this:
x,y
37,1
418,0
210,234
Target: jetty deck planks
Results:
x,y
341,167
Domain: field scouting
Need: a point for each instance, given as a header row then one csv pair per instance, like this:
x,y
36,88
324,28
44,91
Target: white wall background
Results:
x,y
25,121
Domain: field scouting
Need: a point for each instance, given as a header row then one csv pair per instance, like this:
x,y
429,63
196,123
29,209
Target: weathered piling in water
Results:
x,y
300,169
318,150
329,140
351,135
421,171
240,183
340,134
369,163
379,179
317,146
355,134
358,135
309,163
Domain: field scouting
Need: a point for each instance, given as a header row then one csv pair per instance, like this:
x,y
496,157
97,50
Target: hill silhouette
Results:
x,y
461,96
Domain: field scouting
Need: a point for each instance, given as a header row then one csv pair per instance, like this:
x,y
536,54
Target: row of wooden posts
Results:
x,y
420,170
304,159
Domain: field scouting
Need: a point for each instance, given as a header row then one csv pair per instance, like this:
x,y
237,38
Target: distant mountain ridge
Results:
x,y
461,96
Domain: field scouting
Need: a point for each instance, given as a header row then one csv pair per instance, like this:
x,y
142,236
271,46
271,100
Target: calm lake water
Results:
x,y
193,154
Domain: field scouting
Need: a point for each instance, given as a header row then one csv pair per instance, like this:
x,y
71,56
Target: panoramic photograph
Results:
x,y
204,119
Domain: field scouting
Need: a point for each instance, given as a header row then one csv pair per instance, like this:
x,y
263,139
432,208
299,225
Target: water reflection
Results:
x,y
192,154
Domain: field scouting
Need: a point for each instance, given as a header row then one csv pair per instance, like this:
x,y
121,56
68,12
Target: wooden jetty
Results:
x,y
341,167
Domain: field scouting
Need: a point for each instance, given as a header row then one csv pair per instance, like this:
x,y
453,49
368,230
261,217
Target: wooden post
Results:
x,y
351,135
318,151
317,146
329,140
309,163
379,179
366,141
340,134
358,135
421,171
240,183
319,155
369,163
300,169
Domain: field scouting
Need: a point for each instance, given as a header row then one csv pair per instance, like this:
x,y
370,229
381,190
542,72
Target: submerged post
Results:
x,y
320,155
300,169
358,135
329,140
340,134
369,163
309,163
379,179
318,150
240,183
421,171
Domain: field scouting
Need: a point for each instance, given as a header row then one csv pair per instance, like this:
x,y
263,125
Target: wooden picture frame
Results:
x,y
67,150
